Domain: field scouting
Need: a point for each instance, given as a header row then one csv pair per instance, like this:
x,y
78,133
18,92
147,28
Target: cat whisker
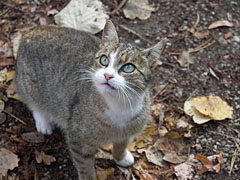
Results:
x,y
126,93
133,91
135,86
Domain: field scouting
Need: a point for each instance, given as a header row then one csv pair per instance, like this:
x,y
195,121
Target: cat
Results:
x,y
96,91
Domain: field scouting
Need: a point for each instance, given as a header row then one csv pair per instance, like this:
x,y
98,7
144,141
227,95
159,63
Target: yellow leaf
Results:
x,y
214,107
41,156
11,92
102,174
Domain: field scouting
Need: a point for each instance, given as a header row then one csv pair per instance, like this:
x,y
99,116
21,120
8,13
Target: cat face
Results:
x,y
121,71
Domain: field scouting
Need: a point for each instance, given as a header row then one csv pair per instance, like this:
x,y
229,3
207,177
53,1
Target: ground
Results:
x,y
213,68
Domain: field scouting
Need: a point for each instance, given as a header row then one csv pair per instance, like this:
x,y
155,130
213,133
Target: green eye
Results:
x,y
128,68
104,60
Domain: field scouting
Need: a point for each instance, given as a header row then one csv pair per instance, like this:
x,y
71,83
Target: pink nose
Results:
x,y
108,76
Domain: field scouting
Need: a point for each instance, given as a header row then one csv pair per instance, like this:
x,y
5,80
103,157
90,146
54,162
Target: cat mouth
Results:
x,y
108,85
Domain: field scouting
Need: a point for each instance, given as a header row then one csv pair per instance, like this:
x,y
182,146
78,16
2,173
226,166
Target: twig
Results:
x,y
181,70
10,6
235,154
18,119
4,12
119,7
202,46
197,20
231,137
229,127
135,33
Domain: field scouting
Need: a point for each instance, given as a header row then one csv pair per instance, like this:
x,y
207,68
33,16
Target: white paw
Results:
x,y
127,161
43,125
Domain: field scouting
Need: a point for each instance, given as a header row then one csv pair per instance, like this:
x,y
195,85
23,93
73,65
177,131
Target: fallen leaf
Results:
x,y
8,161
3,75
5,49
172,157
103,155
102,174
204,109
6,62
208,163
33,137
199,33
166,146
11,89
214,107
2,105
85,15
152,155
185,170
220,23
42,157
185,59
138,9
16,38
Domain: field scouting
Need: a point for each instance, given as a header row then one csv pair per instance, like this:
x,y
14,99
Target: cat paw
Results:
x,y
44,128
127,161
42,125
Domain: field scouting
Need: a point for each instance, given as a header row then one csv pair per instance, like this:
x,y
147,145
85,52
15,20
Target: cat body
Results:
x,y
95,91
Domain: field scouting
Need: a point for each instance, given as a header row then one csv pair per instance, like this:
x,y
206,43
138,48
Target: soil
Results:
x,y
215,71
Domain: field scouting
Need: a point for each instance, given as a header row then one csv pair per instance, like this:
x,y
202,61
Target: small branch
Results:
x,y
119,7
202,46
135,33
10,114
10,6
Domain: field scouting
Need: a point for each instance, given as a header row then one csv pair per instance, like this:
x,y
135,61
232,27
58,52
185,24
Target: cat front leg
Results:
x,y
83,157
121,155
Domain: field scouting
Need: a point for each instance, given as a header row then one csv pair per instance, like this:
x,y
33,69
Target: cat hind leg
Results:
x,y
42,123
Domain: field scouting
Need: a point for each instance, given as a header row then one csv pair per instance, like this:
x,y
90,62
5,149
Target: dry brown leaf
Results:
x,y
103,155
2,105
102,174
214,107
152,155
166,146
42,157
172,157
138,9
11,90
8,161
85,15
33,137
208,163
199,33
185,59
220,23
185,170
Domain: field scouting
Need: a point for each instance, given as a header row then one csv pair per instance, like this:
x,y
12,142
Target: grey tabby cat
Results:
x,y
96,91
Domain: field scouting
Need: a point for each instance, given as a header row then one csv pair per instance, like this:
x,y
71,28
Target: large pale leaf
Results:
x,y
8,160
138,9
85,15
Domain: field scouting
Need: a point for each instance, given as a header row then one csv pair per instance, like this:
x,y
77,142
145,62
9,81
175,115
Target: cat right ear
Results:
x,y
109,35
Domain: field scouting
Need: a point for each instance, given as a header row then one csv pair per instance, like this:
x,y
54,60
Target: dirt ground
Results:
x,y
212,68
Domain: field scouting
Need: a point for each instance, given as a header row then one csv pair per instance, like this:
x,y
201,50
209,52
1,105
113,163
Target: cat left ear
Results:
x,y
109,34
153,53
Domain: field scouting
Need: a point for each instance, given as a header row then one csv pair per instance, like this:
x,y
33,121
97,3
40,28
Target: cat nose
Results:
x,y
108,76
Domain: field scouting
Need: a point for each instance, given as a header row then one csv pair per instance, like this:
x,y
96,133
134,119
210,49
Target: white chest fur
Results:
x,y
120,113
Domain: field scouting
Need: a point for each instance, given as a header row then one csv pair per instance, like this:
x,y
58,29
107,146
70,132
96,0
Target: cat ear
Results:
x,y
153,53
109,34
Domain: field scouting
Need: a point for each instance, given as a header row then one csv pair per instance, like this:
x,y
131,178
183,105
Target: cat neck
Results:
x,y
120,110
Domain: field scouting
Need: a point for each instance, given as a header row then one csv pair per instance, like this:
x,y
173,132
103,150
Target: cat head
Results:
x,y
121,69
